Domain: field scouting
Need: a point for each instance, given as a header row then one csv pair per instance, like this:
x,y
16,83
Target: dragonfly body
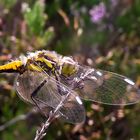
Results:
x,y
45,78
47,60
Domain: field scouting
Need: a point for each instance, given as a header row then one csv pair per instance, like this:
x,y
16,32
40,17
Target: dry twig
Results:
x,y
42,132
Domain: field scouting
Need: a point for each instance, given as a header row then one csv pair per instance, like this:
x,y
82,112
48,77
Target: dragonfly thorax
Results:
x,y
42,61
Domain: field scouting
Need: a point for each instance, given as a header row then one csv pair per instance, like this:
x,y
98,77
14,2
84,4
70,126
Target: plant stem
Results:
x,y
42,132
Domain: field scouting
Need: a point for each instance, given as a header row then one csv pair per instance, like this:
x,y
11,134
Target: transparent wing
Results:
x,y
73,110
49,94
106,87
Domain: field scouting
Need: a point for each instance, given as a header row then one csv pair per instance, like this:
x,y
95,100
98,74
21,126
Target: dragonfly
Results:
x,y
46,78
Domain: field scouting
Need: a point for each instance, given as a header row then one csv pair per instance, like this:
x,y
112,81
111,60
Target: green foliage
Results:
x,y
35,18
8,3
131,16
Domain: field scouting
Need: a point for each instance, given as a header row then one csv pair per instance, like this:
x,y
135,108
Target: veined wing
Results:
x,y
50,94
106,87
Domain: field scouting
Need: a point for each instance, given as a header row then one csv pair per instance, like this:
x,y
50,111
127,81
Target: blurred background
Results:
x,y
102,34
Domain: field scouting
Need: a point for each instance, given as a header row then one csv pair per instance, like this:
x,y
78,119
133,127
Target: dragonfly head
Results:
x,y
69,66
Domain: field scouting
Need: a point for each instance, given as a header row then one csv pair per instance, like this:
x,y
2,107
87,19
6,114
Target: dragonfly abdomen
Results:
x,y
14,66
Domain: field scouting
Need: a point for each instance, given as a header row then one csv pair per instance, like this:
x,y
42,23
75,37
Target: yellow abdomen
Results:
x,y
13,66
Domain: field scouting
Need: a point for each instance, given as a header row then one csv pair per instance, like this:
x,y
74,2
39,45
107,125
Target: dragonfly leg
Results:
x,y
78,83
58,86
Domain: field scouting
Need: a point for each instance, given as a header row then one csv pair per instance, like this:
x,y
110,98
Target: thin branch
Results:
x,y
42,132
15,120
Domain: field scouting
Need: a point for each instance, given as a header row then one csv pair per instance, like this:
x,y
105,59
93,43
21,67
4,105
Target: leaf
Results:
x,y
35,18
